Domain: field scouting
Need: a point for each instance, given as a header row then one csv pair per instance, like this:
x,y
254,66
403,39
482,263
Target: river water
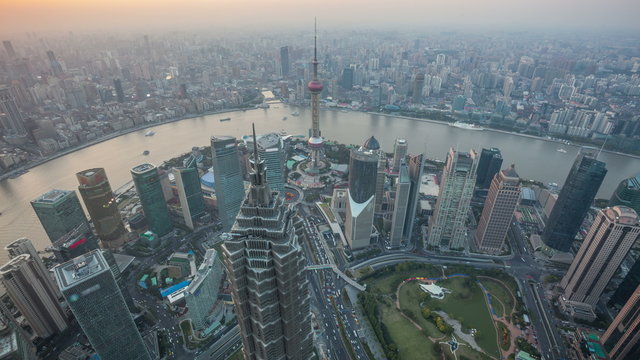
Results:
x,y
534,158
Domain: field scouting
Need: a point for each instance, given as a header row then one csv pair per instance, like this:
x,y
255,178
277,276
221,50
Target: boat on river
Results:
x,y
561,150
466,126
146,152
150,133
226,119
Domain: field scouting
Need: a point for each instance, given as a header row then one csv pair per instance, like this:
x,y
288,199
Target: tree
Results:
x,y
426,312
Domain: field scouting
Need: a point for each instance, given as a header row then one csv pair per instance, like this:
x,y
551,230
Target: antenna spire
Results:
x,y
315,39
256,159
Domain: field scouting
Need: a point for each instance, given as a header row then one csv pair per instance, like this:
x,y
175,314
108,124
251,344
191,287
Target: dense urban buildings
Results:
x,y
575,198
627,193
189,191
622,337
11,119
229,185
15,340
447,228
90,289
497,213
202,294
149,188
102,207
27,284
59,212
265,265
363,175
604,248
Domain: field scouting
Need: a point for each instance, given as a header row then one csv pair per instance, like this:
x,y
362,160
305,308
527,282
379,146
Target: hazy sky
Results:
x,y
17,16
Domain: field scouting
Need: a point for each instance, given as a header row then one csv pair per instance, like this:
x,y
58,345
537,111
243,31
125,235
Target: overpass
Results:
x,y
335,269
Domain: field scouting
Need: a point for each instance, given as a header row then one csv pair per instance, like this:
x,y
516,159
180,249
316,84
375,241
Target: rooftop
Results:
x,y
142,168
51,196
80,269
8,344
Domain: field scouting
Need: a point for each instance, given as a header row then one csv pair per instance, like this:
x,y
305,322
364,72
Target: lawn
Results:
x,y
411,343
389,283
466,304
408,300
499,291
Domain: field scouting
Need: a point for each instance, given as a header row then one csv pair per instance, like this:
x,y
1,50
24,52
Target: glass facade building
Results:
x,y
149,188
488,166
189,192
627,193
229,185
59,212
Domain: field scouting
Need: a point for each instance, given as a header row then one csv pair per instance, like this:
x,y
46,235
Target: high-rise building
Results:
x,y
627,193
25,246
56,68
284,61
117,84
189,191
27,284
418,85
229,186
74,243
498,210
17,340
628,285
576,196
372,145
488,166
11,121
507,87
92,293
400,147
609,240
102,207
271,149
447,228
315,142
363,171
622,337
416,165
265,264
202,293
59,212
347,78
400,205
147,182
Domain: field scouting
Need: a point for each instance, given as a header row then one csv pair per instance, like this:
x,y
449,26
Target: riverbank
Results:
x,y
503,132
110,136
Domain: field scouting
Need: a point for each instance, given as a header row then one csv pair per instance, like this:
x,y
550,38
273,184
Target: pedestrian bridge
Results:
x,y
335,269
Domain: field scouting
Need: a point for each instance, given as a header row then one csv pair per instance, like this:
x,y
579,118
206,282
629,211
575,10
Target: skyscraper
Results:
x,y
28,287
56,68
609,240
229,186
574,200
488,166
117,84
74,243
347,78
628,285
25,246
401,205
363,171
271,149
59,212
11,121
498,210
447,228
202,293
147,182
90,289
284,61
316,142
622,338
265,265
418,85
416,165
400,147
627,193
189,191
102,207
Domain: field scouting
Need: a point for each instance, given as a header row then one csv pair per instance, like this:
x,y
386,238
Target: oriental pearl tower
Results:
x,y
316,142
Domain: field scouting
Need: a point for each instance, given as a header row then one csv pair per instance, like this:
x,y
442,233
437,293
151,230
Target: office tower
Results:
x,y
628,285
447,228
11,122
189,191
363,171
284,61
147,182
459,102
608,242
229,186
507,87
202,294
59,212
574,200
418,85
28,286
627,193
400,147
498,210
271,149
100,202
117,84
488,166
18,343
90,289
400,205
316,142
265,265
25,246
56,68
622,337
416,165
347,78
372,145
440,59
8,47
74,243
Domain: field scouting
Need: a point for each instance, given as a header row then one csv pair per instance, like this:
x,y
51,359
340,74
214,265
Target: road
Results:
x,y
224,347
